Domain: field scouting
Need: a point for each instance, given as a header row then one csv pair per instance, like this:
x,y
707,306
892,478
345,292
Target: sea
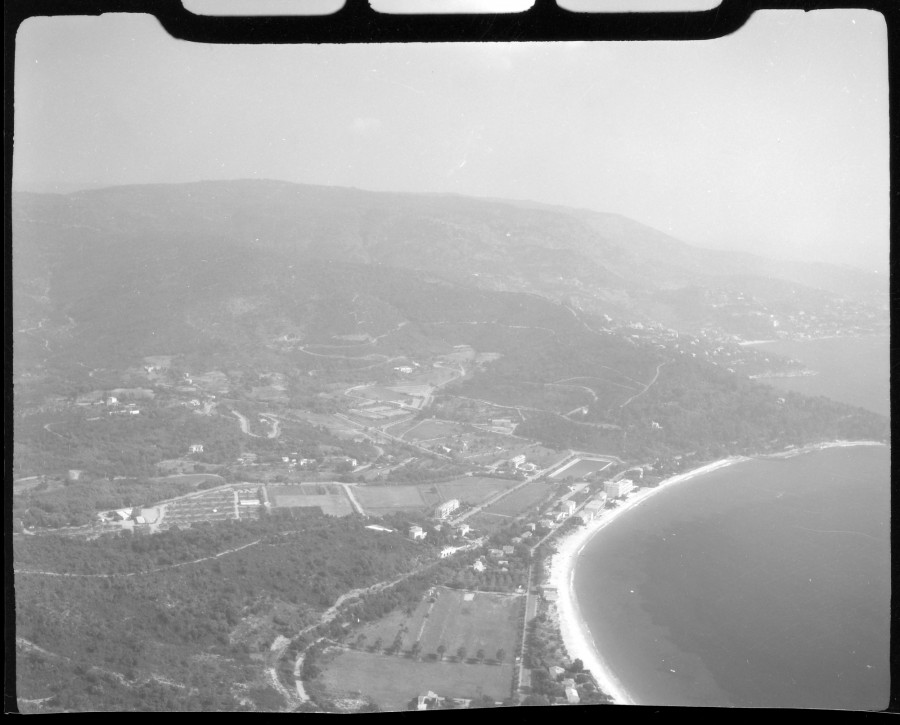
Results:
x,y
763,584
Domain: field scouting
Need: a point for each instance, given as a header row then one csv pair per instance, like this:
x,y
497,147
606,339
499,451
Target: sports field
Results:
x,y
431,429
452,618
378,500
391,681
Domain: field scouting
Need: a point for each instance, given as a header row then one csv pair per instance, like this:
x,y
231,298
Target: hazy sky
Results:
x,y
774,139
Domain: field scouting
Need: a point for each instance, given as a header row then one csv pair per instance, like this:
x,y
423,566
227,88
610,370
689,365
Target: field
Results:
x,y
379,500
329,497
431,429
392,681
523,499
581,468
473,620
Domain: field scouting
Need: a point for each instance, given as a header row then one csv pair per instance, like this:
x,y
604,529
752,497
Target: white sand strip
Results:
x,y
575,634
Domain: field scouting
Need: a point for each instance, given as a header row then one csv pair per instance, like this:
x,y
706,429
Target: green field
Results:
x,y
454,618
392,681
431,429
329,497
583,467
379,500
523,499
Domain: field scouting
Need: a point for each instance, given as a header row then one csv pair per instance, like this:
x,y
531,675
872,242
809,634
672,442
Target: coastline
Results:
x,y
576,637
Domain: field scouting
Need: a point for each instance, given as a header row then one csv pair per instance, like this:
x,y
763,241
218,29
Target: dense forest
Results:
x,y
134,611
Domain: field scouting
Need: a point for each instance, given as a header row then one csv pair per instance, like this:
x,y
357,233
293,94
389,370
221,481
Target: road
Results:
x,y
530,612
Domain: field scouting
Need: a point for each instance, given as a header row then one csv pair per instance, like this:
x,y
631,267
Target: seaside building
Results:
x,y
572,696
443,510
569,507
615,489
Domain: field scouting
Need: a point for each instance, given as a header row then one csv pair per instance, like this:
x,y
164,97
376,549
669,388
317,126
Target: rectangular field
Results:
x,y
582,467
471,490
524,498
329,497
391,681
431,429
379,500
474,620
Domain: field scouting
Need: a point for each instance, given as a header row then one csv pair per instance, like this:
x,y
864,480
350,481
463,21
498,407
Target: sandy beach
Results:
x,y
576,637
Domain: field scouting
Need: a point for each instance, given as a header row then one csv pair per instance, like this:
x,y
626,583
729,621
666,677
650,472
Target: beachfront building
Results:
x,y
572,696
569,507
443,510
616,489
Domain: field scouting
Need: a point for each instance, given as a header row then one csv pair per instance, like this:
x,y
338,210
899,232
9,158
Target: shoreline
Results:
x,y
575,634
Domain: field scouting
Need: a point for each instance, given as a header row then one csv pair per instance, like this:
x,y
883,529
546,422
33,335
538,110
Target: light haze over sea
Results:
x,y
766,584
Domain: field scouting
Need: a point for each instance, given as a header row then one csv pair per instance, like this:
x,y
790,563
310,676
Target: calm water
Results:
x,y
854,371
766,584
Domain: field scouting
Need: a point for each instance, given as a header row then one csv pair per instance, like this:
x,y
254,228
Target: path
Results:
x,y
356,505
647,387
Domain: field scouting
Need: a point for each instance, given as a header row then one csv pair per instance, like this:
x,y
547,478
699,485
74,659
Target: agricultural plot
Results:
x,y
331,498
391,681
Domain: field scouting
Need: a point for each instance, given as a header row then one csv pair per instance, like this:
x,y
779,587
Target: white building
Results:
x,y
416,532
569,507
517,460
615,489
196,448
443,510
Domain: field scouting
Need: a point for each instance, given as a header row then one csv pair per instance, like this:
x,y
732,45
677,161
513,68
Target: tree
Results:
x,y
576,666
415,649
501,655
461,653
480,655
535,701
442,648
378,643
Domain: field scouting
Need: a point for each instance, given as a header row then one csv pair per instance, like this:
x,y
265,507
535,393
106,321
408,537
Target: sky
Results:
x,y
772,140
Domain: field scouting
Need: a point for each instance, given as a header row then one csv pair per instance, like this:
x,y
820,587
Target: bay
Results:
x,y
765,584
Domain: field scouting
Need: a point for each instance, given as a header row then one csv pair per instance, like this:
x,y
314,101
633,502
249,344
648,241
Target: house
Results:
x,y
112,400
517,460
568,682
495,553
416,532
463,529
443,510
479,566
526,535
531,526
509,550
555,671
140,520
572,696
550,594
615,489
516,539
449,551
196,448
428,701
124,514
546,523
569,507
249,502
560,516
